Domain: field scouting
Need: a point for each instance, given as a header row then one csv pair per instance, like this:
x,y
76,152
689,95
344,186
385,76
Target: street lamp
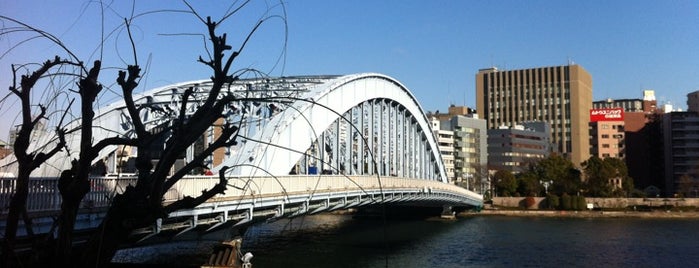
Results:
x,y
546,185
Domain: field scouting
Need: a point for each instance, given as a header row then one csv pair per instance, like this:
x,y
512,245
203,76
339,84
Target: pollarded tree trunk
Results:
x,y
27,161
17,203
127,212
74,184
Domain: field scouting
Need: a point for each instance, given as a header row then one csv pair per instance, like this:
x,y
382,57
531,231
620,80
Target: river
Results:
x,y
479,241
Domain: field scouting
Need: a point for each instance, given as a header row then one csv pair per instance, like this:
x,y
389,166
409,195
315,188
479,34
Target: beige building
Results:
x,y
558,95
607,136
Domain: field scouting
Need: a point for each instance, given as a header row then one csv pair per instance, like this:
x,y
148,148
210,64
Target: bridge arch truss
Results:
x,y
366,124
360,124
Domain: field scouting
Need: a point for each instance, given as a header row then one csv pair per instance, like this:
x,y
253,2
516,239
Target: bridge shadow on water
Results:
x,y
361,237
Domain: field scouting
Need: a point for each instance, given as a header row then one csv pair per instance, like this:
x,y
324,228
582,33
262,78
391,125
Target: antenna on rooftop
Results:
x,y
464,98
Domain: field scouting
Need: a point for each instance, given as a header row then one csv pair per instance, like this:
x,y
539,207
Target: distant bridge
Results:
x,y
317,143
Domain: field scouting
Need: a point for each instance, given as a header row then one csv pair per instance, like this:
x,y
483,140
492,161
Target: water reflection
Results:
x,y
483,241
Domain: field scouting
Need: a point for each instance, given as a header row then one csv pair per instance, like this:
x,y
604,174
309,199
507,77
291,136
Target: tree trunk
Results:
x,y
18,203
124,215
69,210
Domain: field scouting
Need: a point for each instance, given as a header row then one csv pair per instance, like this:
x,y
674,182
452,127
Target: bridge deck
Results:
x,y
246,198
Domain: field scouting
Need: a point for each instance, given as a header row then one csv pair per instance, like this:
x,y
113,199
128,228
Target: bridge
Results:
x,y
317,143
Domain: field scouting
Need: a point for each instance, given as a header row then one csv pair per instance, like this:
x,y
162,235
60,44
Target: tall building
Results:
x,y
558,95
515,149
470,150
693,102
681,140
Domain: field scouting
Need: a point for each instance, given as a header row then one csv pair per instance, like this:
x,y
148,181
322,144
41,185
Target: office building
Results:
x,y
681,140
642,147
470,152
607,133
558,95
445,142
693,102
515,148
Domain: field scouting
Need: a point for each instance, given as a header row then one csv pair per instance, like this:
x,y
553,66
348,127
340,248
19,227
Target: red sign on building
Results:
x,y
607,114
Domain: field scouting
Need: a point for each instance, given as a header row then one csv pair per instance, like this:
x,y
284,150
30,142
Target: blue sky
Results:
x,y
434,48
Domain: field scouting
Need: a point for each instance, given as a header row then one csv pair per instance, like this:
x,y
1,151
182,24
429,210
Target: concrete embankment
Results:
x,y
599,207
615,203
582,214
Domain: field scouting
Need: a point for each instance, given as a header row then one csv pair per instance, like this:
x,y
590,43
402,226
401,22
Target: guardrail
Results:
x,y
44,196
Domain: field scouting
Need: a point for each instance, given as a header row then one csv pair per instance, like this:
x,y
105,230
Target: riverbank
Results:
x,y
581,214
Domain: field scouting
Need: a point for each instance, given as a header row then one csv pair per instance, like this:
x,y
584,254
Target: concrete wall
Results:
x,y
609,203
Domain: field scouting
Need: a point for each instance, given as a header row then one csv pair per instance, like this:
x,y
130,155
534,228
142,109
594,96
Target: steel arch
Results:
x,y
327,104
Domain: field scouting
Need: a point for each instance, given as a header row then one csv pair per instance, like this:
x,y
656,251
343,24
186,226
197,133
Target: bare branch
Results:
x,y
133,45
183,107
236,53
189,202
128,84
194,11
113,141
227,138
230,13
48,36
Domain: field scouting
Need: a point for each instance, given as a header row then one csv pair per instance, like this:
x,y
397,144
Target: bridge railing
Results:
x,y
44,195
241,187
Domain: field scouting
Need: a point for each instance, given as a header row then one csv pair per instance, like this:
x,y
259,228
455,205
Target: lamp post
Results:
x,y
546,185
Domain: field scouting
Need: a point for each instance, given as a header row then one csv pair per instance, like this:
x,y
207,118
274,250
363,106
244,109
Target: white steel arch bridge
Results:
x,y
316,143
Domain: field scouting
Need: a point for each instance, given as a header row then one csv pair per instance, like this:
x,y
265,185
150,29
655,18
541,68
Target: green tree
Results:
x,y
598,173
563,174
505,183
622,172
528,184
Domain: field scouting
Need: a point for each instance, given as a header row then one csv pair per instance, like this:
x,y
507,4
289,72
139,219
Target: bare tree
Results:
x,y
27,161
28,156
140,205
